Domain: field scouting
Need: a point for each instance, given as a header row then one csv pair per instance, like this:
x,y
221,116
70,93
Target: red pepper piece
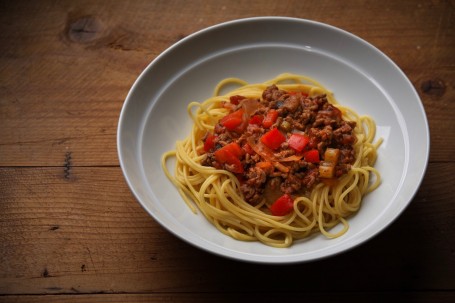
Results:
x,y
256,119
209,142
233,163
298,142
230,154
312,156
232,120
273,138
282,206
232,148
270,118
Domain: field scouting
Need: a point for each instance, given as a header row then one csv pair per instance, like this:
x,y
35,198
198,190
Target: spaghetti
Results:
x,y
234,154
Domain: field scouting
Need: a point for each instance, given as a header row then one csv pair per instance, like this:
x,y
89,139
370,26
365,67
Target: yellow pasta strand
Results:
x,y
216,193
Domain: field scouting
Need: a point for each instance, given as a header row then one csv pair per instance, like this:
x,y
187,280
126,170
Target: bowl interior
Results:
x,y
155,116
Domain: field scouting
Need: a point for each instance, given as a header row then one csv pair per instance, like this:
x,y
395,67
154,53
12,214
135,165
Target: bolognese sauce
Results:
x,y
281,144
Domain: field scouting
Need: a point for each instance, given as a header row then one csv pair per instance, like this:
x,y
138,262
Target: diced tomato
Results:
x,y
230,154
234,163
273,138
298,141
270,118
256,119
282,206
232,148
312,156
209,142
236,99
232,120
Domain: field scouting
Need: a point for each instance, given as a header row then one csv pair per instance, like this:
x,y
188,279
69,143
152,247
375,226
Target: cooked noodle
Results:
x,y
216,193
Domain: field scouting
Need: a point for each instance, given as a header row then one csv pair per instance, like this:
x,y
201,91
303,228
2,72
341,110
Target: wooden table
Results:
x,y
70,229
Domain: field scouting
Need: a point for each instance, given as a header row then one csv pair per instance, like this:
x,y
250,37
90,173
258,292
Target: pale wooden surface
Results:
x,y
70,229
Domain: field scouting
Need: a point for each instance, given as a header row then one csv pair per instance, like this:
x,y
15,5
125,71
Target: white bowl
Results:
x,y
256,49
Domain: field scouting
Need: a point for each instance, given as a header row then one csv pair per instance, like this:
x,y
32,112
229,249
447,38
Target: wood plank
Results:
x,y
70,229
62,91
414,296
87,234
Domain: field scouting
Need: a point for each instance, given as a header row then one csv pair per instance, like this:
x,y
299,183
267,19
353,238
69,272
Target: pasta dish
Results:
x,y
275,161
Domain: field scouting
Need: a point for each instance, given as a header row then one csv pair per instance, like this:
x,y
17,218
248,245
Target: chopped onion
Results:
x,y
266,153
250,106
326,170
332,155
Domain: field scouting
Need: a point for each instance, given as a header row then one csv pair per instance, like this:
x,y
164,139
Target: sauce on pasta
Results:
x,y
275,161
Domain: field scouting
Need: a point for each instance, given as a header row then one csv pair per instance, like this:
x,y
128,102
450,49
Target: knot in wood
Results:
x,y
67,165
84,30
433,87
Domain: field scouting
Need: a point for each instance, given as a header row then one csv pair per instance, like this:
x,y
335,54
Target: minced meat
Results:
x,y
288,167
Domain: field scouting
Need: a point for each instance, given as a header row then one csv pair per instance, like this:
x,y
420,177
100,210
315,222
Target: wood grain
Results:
x,y
373,297
94,237
62,94
70,229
